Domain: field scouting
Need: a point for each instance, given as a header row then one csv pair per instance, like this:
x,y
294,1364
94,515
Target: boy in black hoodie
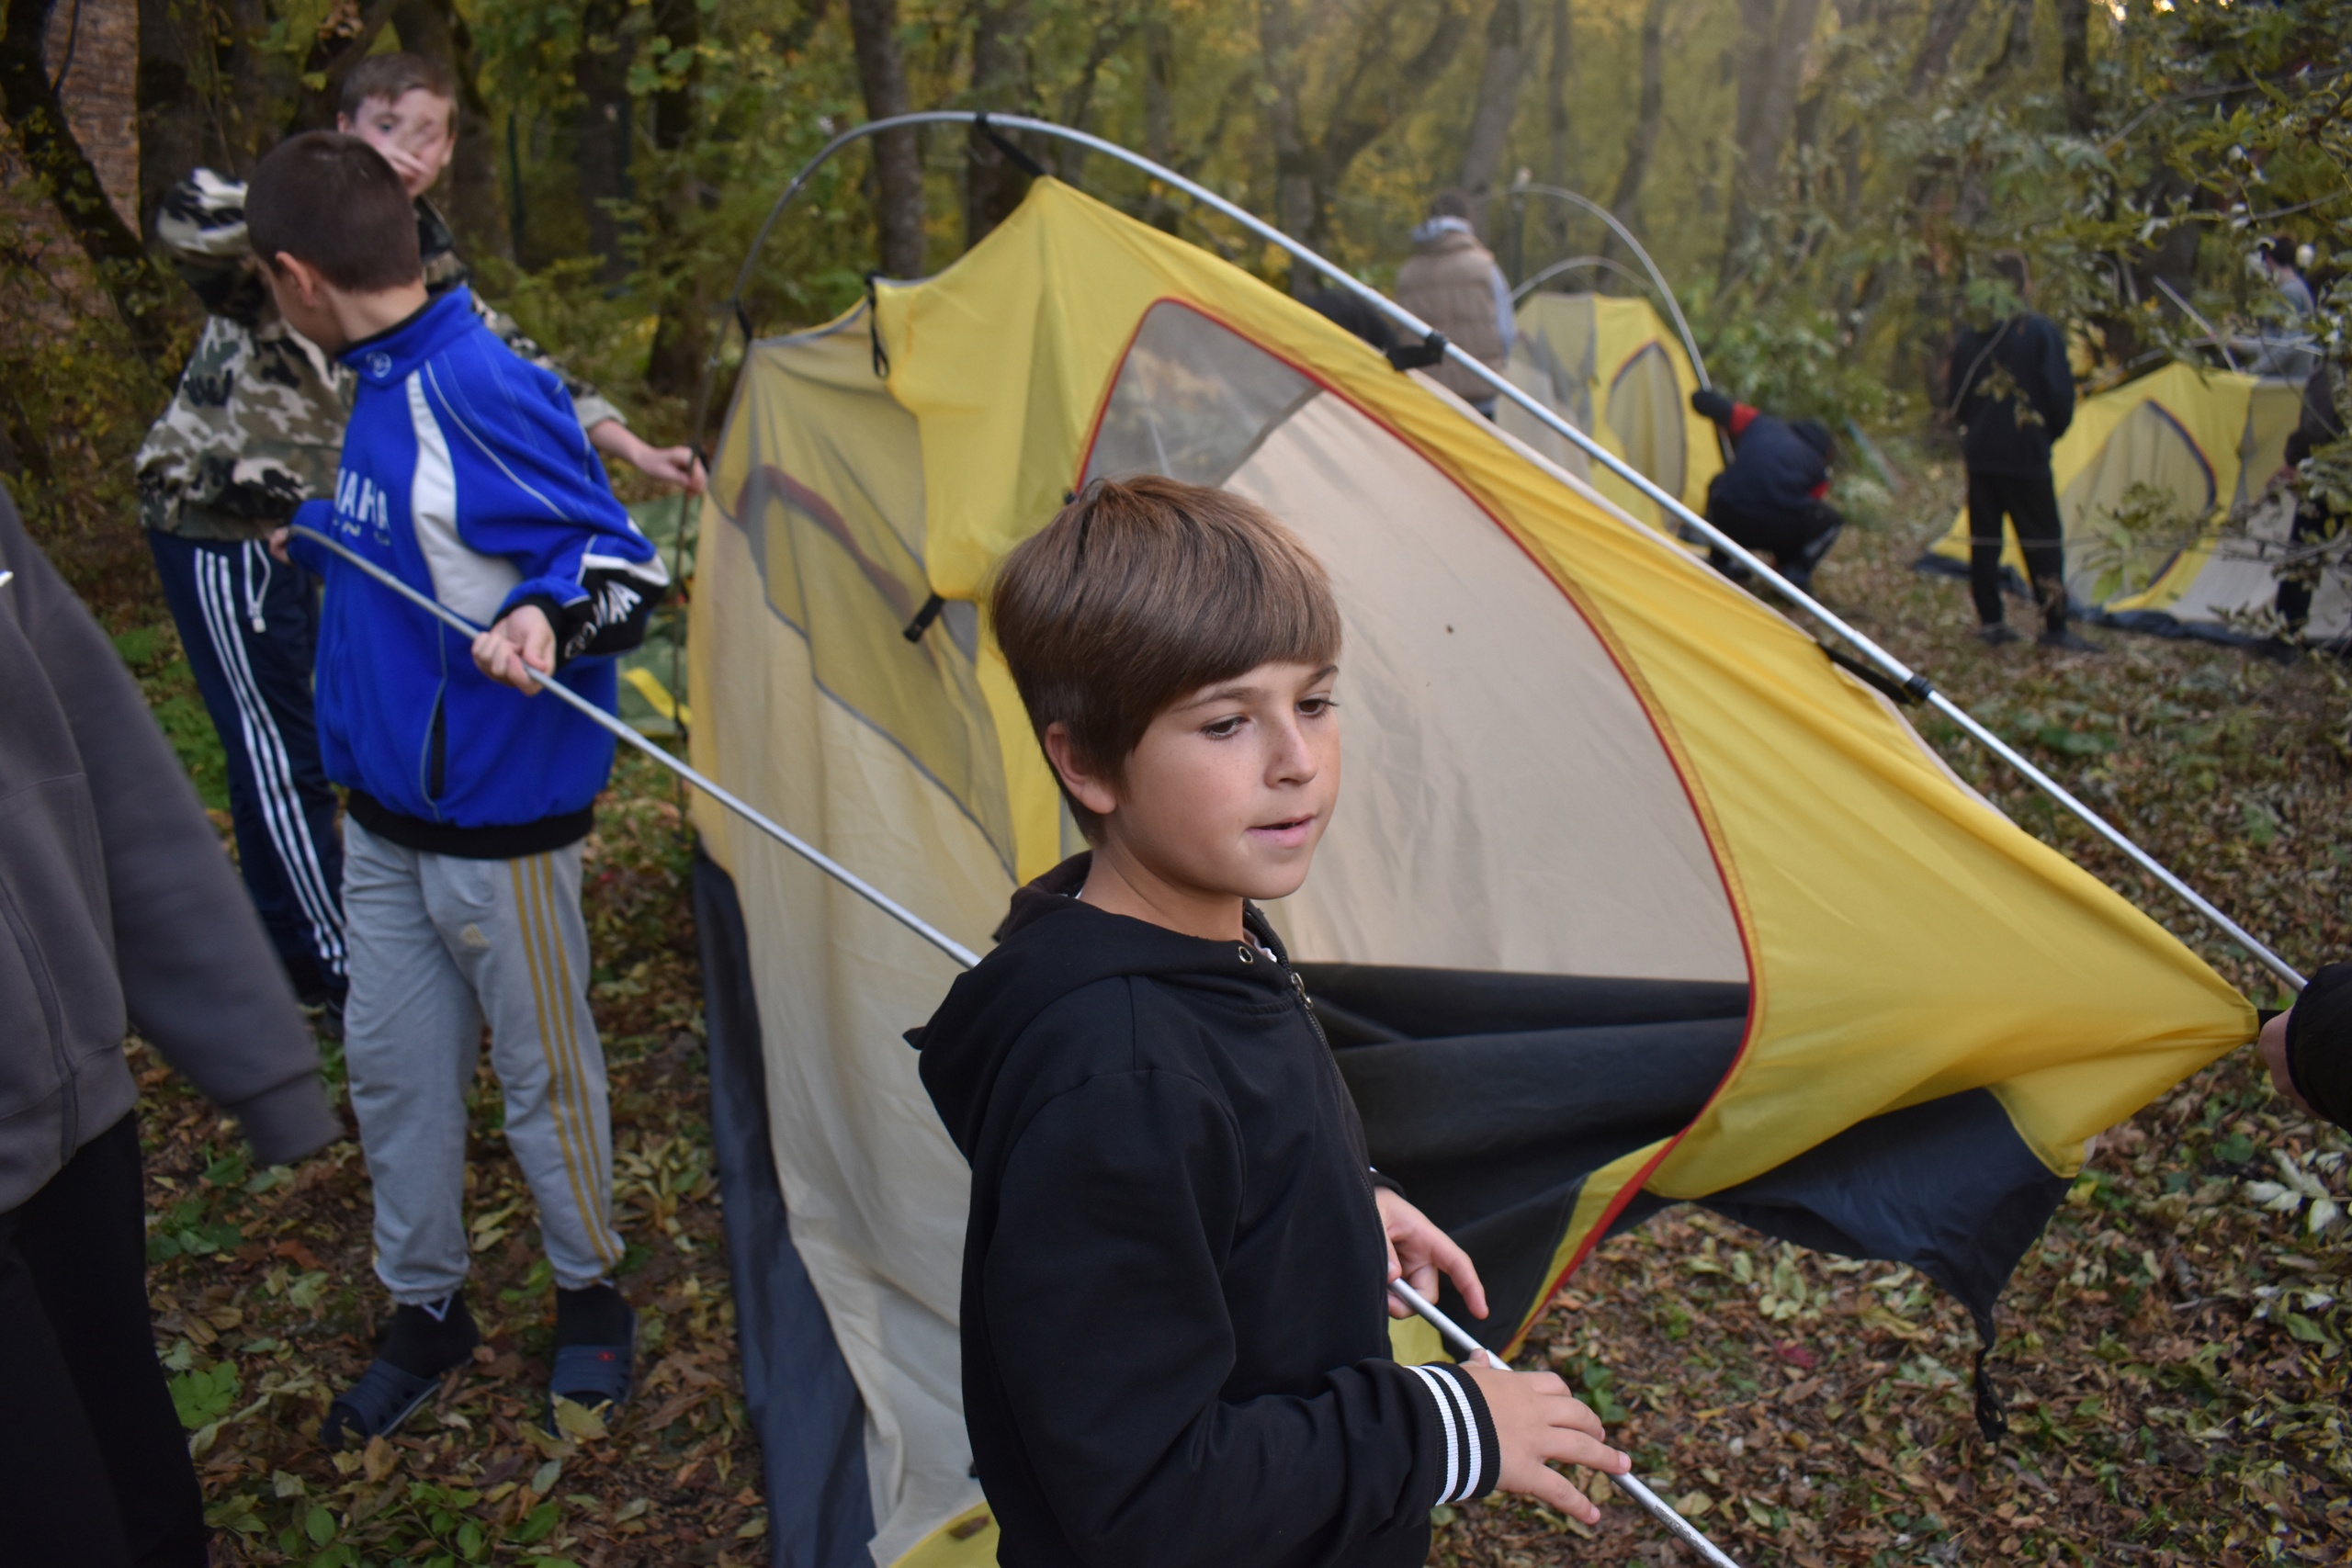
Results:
x,y
1174,1341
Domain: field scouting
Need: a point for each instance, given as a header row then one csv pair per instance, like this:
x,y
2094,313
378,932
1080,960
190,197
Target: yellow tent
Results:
x,y
1612,369
1632,896
2172,453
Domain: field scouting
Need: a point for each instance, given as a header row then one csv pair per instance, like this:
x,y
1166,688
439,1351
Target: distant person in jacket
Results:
x,y
117,910
1450,281
2010,387
2308,1048
1174,1305
2321,423
1770,499
465,473
252,431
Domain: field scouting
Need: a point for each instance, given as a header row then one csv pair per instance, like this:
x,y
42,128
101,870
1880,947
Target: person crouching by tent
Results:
x,y
2308,1048
1174,1347
464,469
120,912
2010,387
1450,281
1770,499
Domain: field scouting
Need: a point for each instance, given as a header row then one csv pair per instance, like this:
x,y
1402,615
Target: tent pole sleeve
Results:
x,y
1459,1340
1902,673
814,856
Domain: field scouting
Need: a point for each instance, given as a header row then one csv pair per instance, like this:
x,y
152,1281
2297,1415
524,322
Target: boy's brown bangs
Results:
x,y
1142,591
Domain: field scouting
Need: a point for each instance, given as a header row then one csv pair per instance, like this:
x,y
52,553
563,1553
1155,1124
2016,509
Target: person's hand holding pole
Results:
x,y
518,650
1539,1423
1419,1252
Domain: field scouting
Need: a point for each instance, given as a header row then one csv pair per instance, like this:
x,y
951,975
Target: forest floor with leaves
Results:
x,y
2171,1353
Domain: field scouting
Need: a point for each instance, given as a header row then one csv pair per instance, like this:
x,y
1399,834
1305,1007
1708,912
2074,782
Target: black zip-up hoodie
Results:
x,y
1175,1336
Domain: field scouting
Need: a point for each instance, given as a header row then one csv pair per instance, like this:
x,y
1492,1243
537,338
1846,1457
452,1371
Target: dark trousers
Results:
x,y
1797,539
2031,502
94,1466
2296,588
249,623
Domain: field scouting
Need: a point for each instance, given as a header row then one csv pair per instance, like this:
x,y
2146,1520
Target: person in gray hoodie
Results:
x,y
119,910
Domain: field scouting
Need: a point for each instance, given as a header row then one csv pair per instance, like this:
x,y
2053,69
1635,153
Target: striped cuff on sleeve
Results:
x,y
1471,1458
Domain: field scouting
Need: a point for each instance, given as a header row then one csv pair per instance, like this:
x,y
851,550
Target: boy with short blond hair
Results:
x,y
252,431
1175,1347
464,473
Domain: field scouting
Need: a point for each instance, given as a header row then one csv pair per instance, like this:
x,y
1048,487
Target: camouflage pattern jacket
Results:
x,y
256,426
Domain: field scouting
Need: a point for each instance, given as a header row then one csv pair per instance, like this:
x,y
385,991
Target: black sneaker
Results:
x,y
1993,634
2067,641
423,1344
595,1352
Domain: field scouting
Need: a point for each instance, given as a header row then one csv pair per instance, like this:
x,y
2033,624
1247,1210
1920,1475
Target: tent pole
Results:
x,y
814,856
1573,263
1902,673
1625,237
1465,1345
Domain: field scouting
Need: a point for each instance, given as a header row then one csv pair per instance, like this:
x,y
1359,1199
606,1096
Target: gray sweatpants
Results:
x,y
439,945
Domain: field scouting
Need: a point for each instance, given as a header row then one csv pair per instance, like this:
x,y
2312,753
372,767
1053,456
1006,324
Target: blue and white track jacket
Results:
x,y
465,473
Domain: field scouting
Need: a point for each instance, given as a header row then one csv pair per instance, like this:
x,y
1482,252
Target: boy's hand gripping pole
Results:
x,y
1458,1338
757,818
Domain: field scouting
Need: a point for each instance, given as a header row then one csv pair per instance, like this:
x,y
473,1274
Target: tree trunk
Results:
x,y
172,125
477,206
1498,100
343,42
1648,113
1159,113
1947,19
2075,63
1559,166
1296,200
603,133
141,294
994,184
682,330
1771,67
898,162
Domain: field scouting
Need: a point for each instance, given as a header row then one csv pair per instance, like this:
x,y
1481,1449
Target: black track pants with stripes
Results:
x,y
250,624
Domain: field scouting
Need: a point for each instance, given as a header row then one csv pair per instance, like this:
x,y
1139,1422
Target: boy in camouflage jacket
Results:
x,y
253,430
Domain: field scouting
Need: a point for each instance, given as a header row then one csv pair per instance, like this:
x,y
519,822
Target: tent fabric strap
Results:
x,y
1012,153
1419,355
1991,1414
1910,692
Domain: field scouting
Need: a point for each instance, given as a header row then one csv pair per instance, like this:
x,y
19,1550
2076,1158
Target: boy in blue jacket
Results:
x,y
465,473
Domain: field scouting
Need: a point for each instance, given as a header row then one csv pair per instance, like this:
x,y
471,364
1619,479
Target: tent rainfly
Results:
x,y
1612,369
1633,897
2182,448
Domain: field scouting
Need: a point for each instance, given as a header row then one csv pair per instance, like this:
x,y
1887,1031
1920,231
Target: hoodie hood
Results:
x,y
1049,946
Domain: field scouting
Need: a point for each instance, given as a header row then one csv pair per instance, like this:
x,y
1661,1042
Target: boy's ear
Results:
x,y
1088,788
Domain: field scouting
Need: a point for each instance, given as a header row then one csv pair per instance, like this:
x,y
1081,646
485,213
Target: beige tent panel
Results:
x,y
1438,858
890,764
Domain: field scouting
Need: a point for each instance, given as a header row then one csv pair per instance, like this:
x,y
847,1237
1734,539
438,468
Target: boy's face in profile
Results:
x,y
415,133
1230,789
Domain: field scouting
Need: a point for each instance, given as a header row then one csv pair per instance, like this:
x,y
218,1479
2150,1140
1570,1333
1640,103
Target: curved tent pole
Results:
x,y
1902,674
1625,236
1571,265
